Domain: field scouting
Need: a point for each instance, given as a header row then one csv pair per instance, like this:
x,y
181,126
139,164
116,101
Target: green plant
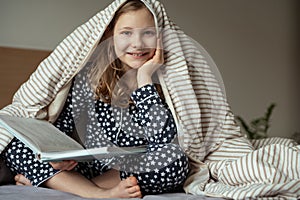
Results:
x,y
257,128
296,137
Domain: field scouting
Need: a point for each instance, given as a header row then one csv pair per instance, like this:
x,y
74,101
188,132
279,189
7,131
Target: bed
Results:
x,y
16,66
10,191
31,193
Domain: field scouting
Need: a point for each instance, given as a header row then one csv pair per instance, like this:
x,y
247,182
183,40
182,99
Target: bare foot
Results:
x,y
75,183
114,187
127,188
22,180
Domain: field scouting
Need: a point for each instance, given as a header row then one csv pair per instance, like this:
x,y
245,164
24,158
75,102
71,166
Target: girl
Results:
x,y
115,96
104,90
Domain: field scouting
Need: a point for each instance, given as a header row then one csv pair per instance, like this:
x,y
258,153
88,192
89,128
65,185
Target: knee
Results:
x,y
171,169
168,154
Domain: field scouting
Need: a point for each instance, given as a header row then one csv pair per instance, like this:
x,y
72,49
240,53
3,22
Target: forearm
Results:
x,y
153,115
143,79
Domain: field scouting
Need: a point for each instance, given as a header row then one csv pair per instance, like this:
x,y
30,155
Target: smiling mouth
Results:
x,y
137,55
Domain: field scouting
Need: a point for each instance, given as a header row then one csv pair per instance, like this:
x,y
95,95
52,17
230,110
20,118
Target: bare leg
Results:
x,y
108,185
108,180
75,183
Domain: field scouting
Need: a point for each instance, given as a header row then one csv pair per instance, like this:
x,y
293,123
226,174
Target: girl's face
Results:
x,y
135,37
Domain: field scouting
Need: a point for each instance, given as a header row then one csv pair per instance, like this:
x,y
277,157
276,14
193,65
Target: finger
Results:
x,y
64,165
68,165
56,165
159,51
159,42
71,166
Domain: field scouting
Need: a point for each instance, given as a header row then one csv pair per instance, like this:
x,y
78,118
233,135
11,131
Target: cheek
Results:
x,y
150,42
120,45
152,52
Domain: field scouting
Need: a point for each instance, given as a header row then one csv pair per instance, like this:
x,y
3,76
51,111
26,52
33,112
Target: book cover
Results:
x,y
50,144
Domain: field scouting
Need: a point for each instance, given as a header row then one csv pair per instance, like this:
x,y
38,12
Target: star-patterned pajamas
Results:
x,y
147,121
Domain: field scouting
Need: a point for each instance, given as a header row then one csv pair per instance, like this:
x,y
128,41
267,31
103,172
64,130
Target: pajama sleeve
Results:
x,y
75,106
153,115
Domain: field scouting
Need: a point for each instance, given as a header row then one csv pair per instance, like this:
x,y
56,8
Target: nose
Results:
x,y
137,41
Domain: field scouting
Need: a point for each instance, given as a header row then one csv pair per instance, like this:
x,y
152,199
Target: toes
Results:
x,y
21,184
17,177
134,192
133,189
22,180
136,195
131,181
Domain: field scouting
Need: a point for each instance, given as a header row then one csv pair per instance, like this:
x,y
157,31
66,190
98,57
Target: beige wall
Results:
x,y
254,44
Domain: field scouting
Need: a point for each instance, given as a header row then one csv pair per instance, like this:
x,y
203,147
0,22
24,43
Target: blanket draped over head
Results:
x,y
223,162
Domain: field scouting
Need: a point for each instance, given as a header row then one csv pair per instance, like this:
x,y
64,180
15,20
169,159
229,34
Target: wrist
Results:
x,y
143,79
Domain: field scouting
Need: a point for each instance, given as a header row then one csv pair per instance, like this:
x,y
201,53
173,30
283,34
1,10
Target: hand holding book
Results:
x,y
66,165
50,144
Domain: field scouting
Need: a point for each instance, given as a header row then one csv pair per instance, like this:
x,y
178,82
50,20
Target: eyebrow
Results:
x,y
125,28
130,28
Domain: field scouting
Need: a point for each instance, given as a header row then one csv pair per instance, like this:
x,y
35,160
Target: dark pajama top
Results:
x,y
147,121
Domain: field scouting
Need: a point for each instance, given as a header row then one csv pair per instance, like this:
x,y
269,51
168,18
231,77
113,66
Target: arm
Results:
x,y
66,122
153,115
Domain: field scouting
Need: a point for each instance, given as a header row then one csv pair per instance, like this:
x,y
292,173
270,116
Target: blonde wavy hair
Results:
x,y
107,70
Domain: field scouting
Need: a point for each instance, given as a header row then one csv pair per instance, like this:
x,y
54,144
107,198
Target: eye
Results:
x,y
126,33
150,33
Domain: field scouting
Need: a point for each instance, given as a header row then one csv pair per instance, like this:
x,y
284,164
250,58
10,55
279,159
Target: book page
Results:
x,y
39,135
91,154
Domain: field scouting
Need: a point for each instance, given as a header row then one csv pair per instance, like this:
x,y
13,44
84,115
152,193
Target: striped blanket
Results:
x,y
223,162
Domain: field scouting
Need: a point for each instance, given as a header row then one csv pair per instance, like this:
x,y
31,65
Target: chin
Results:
x,y
136,65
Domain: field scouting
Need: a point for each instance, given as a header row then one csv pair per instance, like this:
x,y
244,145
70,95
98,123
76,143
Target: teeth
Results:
x,y
137,54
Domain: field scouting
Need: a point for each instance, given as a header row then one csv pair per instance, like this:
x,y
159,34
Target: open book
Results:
x,y
50,144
